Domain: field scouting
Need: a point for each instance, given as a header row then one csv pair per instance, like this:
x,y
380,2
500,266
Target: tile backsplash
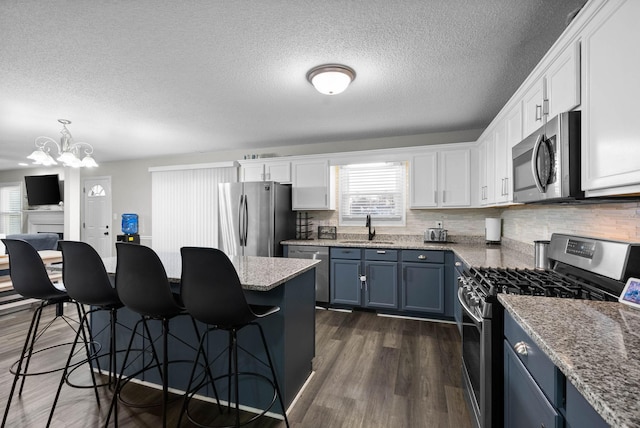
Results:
x,y
523,223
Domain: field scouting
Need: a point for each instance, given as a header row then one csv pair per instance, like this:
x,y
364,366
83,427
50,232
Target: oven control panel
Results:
x,y
581,248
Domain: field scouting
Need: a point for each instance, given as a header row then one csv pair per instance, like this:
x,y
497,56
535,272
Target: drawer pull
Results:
x,y
521,348
422,257
381,252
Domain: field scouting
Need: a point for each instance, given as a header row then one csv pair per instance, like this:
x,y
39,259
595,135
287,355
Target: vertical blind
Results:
x,y
375,189
185,207
10,208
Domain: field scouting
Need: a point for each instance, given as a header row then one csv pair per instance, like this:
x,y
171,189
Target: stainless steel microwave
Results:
x,y
546,164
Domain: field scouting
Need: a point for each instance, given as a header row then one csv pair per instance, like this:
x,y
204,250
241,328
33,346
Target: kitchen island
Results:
x,y
596,345
287,283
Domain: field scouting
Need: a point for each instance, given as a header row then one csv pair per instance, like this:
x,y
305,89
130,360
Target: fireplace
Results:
x,y
43,221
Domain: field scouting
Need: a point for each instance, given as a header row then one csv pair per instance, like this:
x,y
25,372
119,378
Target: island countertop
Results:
x,y
595,344
256,273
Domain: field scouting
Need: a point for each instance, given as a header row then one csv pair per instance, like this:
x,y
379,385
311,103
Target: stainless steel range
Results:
x,y
581,268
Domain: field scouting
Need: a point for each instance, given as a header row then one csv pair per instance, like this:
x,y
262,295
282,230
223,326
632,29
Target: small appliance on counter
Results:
x,y
493,230
541,250
327,232
436,234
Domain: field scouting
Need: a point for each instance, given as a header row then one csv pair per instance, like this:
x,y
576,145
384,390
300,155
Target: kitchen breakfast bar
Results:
x,y
290,333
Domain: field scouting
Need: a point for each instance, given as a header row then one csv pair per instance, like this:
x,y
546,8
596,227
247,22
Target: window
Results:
x,y
10,208
377,189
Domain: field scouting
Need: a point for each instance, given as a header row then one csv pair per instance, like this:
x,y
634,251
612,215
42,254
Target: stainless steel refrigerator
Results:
x,y
254,217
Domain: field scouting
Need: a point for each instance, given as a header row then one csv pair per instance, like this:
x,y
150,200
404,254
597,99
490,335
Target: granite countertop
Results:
x,y
595,344
256,273
472,250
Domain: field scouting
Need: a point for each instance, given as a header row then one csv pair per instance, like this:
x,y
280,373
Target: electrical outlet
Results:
x,y
439,224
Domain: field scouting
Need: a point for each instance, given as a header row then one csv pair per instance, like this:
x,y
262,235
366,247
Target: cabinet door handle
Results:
x,y
422,257
538,112
457,264
381,252
521,348
444,194
435,196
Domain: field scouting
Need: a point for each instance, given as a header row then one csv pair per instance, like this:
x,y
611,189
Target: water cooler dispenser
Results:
x,y
129,229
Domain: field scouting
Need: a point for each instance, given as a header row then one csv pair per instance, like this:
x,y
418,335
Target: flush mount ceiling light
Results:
x,y
331,79
68,151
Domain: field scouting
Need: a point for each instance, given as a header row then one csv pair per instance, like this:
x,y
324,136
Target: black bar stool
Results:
x,y
87,282
30,279
212,293
143,287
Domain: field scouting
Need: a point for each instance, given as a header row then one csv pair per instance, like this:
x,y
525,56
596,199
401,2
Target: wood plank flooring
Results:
x,y
370,372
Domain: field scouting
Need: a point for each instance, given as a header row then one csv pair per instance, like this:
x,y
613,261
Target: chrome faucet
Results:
x,y
368,224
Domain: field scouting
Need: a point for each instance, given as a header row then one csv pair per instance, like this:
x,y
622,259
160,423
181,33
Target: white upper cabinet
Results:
x,y
455,178
279,171
513,135
441,179
532,107
610,113
424,180
486,161
562,82
555,91
313,182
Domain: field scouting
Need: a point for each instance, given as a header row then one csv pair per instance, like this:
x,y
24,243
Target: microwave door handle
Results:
x,y
534,164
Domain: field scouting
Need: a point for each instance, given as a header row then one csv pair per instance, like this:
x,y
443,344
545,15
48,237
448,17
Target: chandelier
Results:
x,y
68,151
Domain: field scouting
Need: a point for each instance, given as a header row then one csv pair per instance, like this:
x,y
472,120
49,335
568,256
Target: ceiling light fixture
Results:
x,y
331,79
68,150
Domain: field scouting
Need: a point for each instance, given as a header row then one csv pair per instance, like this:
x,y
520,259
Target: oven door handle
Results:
x,y
477,320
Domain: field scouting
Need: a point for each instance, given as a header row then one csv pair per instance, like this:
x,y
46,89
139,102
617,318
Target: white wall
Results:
x,y
131,183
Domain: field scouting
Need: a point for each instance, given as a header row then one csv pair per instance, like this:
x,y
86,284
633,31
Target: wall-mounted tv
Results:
x,y
43,189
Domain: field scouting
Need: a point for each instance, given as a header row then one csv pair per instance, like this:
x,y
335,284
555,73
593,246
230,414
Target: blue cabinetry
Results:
x,y
423,282
381,283
366,278
536,393
419,282
345,271
525,406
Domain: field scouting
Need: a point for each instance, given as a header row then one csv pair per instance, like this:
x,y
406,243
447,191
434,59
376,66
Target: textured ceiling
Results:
x,y
150,78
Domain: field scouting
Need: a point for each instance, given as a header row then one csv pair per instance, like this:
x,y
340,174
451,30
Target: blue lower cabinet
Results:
x,y
579,413
525,406
345,282
423,288
381,286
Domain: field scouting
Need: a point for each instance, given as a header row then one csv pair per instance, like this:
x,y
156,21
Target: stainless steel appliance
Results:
x,y
580,268
546,164
313,252
436,234
254,217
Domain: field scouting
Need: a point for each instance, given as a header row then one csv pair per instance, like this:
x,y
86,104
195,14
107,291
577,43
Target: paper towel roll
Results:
x,y
493,229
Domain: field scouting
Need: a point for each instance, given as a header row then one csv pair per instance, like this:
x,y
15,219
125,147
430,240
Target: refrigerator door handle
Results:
x,y
240,221
246,220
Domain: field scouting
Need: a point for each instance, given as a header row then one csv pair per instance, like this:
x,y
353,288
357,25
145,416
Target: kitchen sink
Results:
x,y
364,241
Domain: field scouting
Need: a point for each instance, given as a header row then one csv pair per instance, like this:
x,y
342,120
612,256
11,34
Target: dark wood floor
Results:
x,y
370,372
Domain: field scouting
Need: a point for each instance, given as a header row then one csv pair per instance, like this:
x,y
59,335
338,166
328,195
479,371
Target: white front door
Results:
x,y
97,230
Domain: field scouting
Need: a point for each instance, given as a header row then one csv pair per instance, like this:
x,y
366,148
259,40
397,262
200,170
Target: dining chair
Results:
x,y
30,279
212,293
143,287
87,282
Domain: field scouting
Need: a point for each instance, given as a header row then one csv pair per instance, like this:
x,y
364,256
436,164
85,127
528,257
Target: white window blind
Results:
x,y
10,208
375,189
185,207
